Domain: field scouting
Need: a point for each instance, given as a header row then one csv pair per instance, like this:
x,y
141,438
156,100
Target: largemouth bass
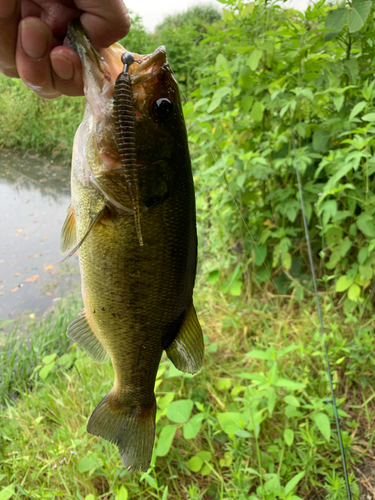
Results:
x,y
137,277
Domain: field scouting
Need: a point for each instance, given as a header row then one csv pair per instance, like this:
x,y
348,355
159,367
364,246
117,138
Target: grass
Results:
x,y
254,423
29,122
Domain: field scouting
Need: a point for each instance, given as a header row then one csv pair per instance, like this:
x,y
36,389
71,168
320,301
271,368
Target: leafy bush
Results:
x,y
253,424
284,77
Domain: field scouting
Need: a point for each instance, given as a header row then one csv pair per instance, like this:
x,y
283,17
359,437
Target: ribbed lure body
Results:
x,y
124,115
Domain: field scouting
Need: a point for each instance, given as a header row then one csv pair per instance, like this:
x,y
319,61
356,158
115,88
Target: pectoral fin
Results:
x,y
81,332
104,211
187,350
68,232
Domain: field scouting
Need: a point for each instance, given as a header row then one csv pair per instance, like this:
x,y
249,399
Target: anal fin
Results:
x,y
81,332
68,232
187,350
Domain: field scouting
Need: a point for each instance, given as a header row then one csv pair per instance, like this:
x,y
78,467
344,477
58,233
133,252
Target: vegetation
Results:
x,y
287,92
254,423
28,122
269,90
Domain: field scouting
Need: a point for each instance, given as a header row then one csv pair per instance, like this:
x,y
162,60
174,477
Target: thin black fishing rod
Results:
x,y
307,236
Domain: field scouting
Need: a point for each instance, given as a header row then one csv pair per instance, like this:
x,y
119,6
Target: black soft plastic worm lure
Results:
x,y
124,114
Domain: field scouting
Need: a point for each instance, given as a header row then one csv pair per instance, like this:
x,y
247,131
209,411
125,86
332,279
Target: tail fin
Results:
x,y
132,430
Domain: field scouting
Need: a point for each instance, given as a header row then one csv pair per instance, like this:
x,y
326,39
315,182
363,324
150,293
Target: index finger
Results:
x,y
105,23
9,19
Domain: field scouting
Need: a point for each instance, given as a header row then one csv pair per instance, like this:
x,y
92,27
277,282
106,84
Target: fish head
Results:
x,y
160,133
159,124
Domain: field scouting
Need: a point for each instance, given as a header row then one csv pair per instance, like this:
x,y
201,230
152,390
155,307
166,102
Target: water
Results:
x,y
34,197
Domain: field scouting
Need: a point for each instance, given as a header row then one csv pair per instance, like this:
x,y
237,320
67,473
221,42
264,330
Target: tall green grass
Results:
x,y
29,122
254,423
23,348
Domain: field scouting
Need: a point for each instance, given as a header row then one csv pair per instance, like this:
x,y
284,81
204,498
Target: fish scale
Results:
x,y
138,299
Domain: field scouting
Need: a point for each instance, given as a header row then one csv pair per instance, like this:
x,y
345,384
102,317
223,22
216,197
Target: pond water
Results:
x,y
34,198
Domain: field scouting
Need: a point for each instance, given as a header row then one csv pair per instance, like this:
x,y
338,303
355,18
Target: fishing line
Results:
x,y
313,275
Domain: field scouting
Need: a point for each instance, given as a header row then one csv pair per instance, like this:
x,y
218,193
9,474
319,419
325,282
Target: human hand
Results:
x,y
32,34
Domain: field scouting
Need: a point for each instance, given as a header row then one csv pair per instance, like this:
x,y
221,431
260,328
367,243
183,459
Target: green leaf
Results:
x,y
365,273
370,117
215,103
90,496
166,400
260,254
358,15
289,385
257,111
231,422
221,92
194,425
205,455
290,485
88,463
195,463
257,354
122,494
179,411
345,246
7,492
286,260
357,109
46,370
245,78
235,288
321,141
365,224
221,62
48,359
343,283
165,493
271,401
246,103
206,469
352,70
66,360
254,59
213,277
165,440
292,400
224,383
362,255
227,15
354,292
323,424
288,436
335,21
338,102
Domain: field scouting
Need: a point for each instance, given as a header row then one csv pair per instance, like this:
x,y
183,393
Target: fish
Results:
x,y
137,252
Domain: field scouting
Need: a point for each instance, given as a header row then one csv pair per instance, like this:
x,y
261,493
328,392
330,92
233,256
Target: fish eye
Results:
x,y
162,110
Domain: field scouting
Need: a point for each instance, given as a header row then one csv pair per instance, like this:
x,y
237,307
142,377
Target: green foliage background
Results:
x,y
287,92
267,90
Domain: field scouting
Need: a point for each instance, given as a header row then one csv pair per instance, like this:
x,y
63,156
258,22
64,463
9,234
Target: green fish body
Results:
x,y
137,298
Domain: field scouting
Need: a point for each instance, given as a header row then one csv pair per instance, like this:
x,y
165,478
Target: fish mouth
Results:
x,y
148,68
77,40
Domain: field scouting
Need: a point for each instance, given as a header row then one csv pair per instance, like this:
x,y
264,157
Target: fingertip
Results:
x,y
67,71
103,32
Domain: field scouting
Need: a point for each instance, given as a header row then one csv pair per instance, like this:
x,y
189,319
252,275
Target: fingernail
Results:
x,y
7,8
62,67
34,40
